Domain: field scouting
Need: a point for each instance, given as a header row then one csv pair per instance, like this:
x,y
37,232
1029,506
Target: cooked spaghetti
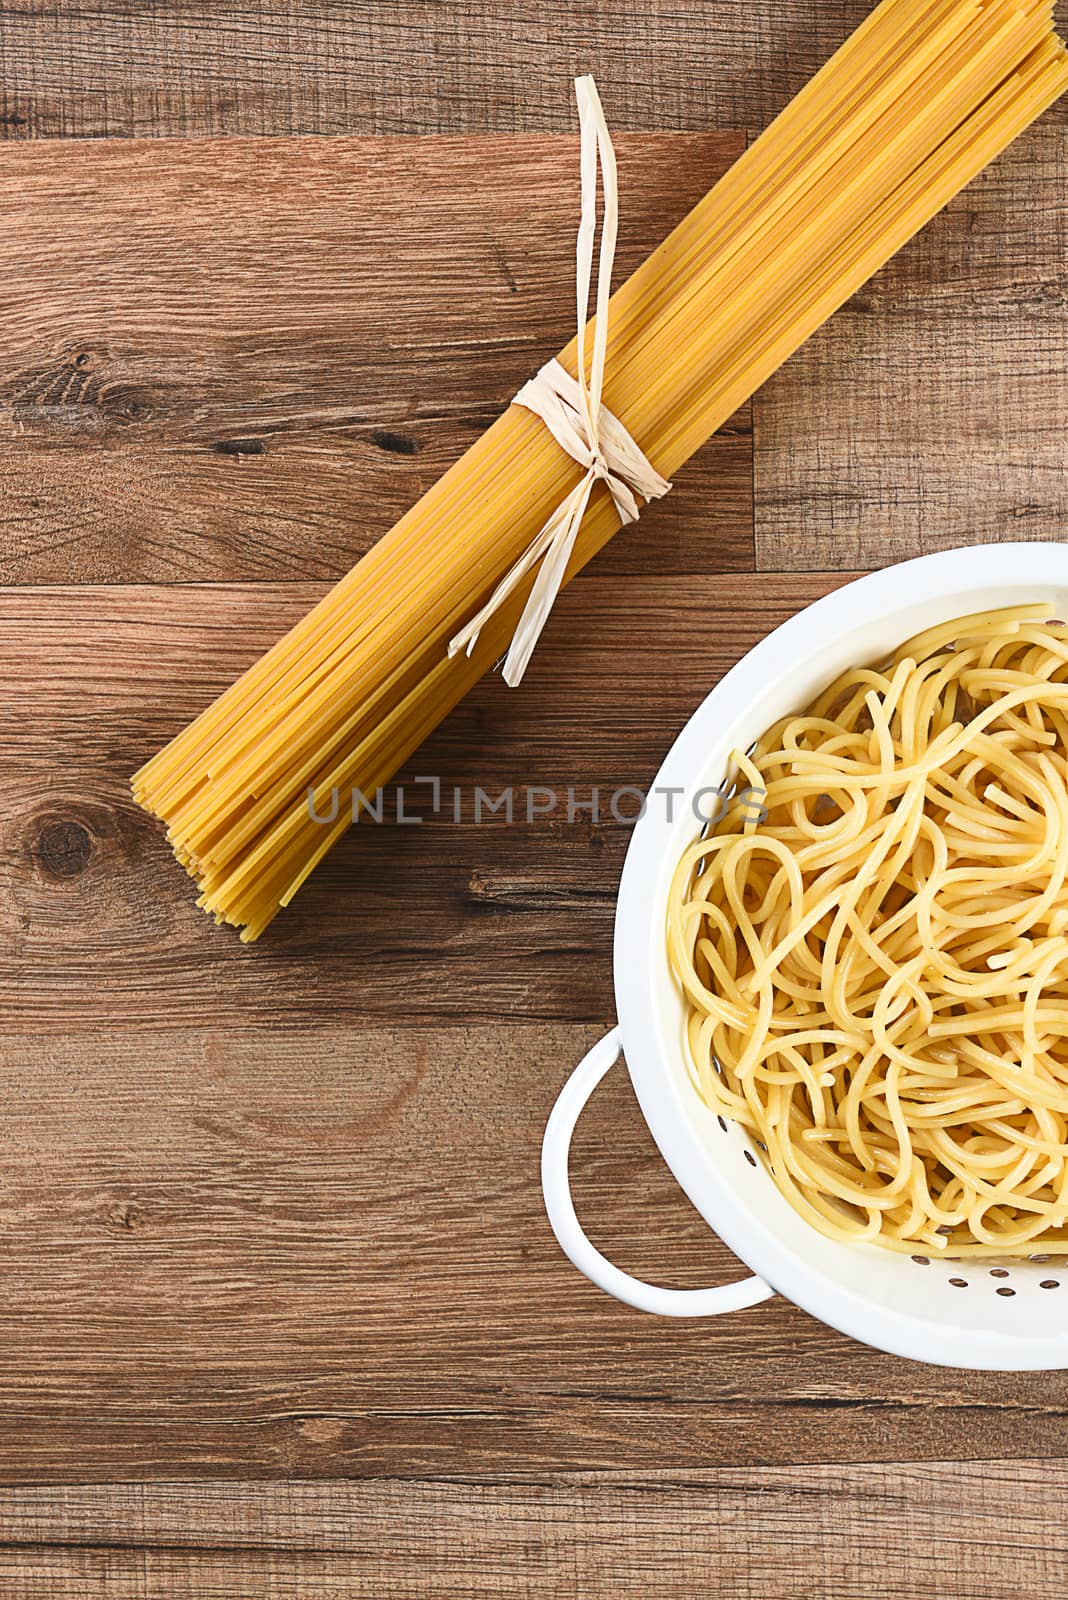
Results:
x,y
876,969
912,106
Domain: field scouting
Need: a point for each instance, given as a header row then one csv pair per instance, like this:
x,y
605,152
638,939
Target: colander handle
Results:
x,y
565,1224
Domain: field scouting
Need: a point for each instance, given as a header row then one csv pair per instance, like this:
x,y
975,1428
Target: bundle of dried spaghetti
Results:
x,y
913,105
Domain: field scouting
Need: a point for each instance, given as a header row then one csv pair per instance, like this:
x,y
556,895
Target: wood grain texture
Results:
x,y
490,917
82,68
975,1531
271,1217
932,410
246,359
275,1211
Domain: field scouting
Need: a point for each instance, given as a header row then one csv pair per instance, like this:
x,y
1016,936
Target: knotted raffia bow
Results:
x,y
572,411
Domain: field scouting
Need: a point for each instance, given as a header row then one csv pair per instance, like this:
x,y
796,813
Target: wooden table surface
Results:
x,y
282,1315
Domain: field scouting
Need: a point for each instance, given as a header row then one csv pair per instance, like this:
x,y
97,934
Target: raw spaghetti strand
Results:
x,y
876,973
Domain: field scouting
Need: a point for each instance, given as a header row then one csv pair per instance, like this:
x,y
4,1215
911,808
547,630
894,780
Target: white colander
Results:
x,y
962,1314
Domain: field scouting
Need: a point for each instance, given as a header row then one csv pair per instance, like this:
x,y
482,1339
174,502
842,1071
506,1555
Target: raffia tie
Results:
x,y
573,412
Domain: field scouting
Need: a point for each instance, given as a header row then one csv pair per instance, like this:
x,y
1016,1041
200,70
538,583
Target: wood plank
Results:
x,y
246,358
487,920
931,411
274,1211
197,67
975,1531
